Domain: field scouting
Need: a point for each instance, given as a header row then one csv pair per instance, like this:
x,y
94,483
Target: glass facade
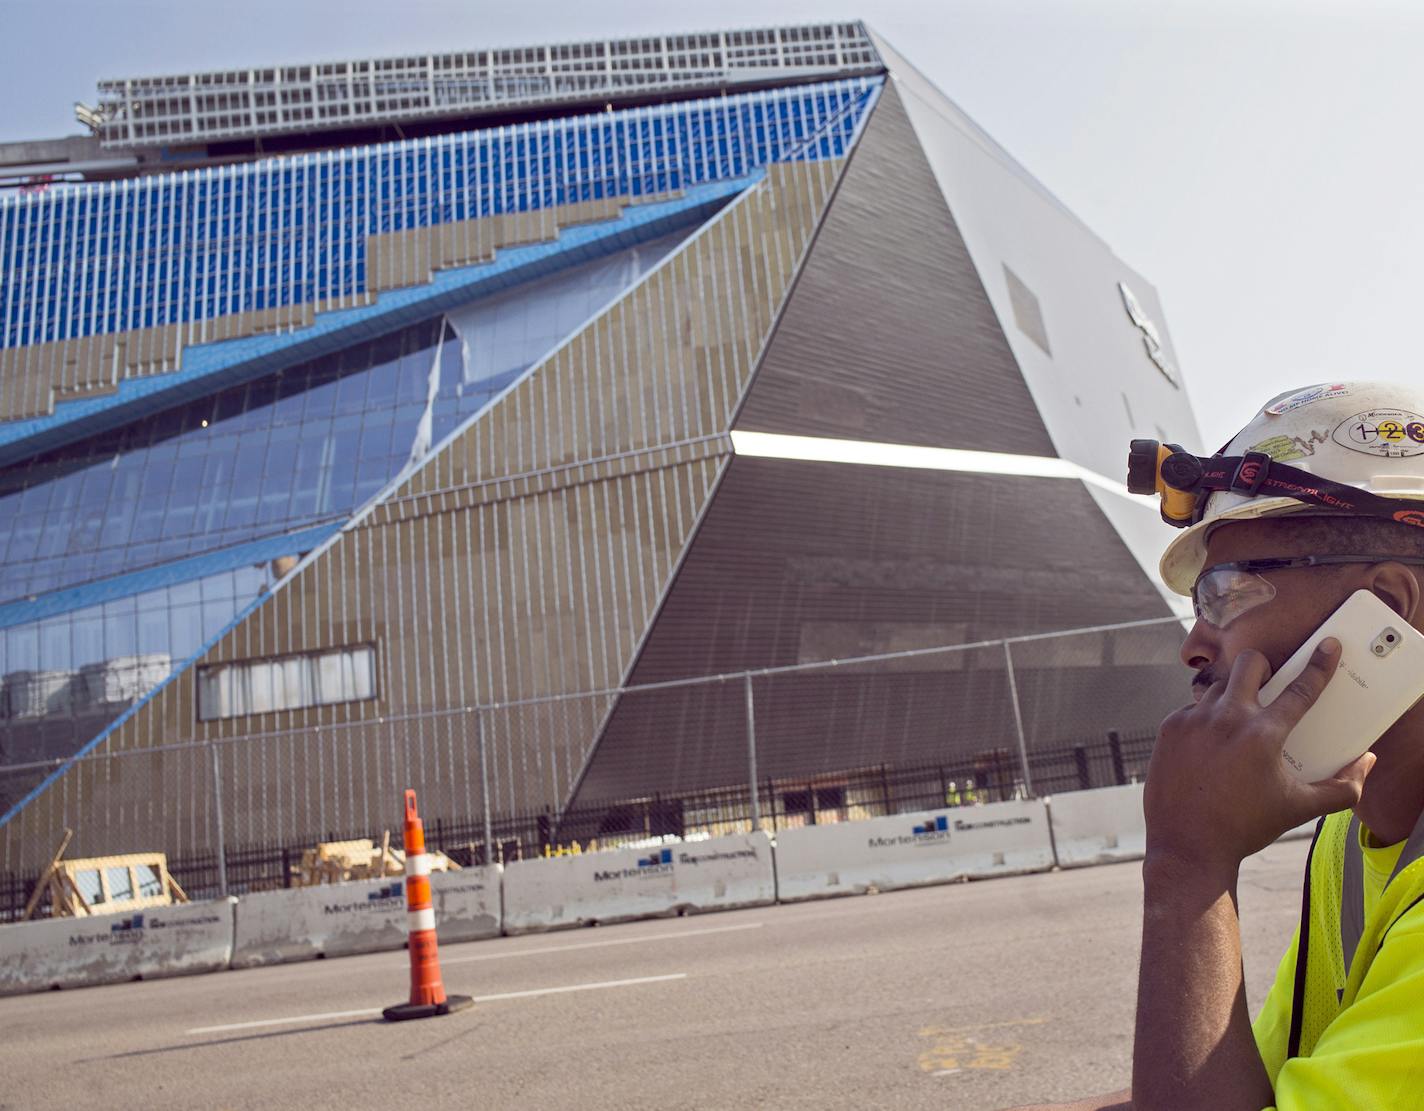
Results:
x,y
250,461
171,622
302,447
168,249
67,677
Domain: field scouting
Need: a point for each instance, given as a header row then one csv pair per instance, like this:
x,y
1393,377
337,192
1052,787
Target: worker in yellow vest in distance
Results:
x,y
1320,496
957,794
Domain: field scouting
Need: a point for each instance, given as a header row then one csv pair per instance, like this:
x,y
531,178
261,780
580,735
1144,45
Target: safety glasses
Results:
x,y
1225,591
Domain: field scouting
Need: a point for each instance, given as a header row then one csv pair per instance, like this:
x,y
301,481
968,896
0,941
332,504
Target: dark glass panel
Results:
x,y
24,538
152,504
152,628
214,497
351,393
261,394
278,465
185,630
88,640
54,537
36,499
123,506
229,404
120,635
54,645
100,564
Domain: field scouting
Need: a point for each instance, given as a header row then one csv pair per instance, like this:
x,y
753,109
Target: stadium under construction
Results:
x,y
534,428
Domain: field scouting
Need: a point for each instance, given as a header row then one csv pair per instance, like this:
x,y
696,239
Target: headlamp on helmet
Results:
x,y
1354,449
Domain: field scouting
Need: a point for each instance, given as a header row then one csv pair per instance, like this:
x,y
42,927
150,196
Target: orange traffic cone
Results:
x,y
427,993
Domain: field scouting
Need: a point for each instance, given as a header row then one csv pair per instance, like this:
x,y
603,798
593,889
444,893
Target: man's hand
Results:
x,y
1217,788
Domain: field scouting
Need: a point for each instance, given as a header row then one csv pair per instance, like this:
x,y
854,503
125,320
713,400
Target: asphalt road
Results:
x,y
978,995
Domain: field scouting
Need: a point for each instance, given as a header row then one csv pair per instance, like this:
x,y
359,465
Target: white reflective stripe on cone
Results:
x,y
418,865
421,919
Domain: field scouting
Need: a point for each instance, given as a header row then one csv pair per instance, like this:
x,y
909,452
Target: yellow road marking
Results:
x,y
931,1031
956,1048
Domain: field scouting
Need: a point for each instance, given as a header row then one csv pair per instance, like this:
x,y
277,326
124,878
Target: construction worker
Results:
x,y
1321,495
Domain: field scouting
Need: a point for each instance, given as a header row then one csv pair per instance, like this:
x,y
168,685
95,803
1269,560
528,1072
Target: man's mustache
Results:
x,y
1203,680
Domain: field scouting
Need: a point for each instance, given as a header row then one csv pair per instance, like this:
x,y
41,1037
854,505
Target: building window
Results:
x,y
287,682
1027,315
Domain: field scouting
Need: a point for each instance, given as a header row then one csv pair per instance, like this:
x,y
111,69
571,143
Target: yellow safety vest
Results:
x,y
1345,1019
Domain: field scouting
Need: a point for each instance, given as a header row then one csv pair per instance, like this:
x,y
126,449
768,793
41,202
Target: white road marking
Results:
x,y
601,944
283,1021
581,987
373,1011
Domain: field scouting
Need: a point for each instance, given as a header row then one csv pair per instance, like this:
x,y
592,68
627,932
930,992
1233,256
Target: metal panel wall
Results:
x,y
891,337
800,562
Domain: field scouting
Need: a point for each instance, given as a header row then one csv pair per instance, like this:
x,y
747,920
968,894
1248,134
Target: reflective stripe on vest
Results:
x,y
1351,915
1352,884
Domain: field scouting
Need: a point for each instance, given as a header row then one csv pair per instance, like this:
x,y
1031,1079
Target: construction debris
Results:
x,y
340,861
104,884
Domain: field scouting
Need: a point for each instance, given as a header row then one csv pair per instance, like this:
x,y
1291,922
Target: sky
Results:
x,y
1258,160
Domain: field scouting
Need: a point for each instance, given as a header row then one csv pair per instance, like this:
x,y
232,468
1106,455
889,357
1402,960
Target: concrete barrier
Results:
x,y
912,850
1098,826
329,920
468,904
1105,825
717,874
111,948
365,916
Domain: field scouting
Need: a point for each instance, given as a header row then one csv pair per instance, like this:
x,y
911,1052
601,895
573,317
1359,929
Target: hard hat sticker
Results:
x,y
1306,397
1389,433
1287,449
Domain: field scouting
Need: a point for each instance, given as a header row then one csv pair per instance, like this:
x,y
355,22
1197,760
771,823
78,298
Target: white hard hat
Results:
x,y
1369,435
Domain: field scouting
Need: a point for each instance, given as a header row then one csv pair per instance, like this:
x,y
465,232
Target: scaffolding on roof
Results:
x,y
241,104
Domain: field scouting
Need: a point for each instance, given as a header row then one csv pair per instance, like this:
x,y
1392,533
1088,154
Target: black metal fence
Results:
x,y
850,795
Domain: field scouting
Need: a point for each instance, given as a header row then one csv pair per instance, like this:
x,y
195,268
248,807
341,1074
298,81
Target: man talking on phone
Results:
x,y
1319,497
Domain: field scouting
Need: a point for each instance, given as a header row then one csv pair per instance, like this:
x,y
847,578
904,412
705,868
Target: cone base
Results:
x,y
402,1011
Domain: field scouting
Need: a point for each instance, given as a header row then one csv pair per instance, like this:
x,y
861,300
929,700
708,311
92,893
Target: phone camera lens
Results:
x,y
1390,638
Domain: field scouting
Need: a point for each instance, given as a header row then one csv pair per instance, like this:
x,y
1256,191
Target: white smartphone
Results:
x,y
1380,676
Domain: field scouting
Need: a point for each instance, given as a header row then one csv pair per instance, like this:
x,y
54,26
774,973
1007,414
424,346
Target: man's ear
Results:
x,y
1395,585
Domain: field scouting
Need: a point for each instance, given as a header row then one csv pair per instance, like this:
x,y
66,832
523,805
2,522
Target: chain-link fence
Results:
x,y
773,748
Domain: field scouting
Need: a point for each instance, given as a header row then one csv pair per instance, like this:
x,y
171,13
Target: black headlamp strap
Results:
x,y
1257,475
